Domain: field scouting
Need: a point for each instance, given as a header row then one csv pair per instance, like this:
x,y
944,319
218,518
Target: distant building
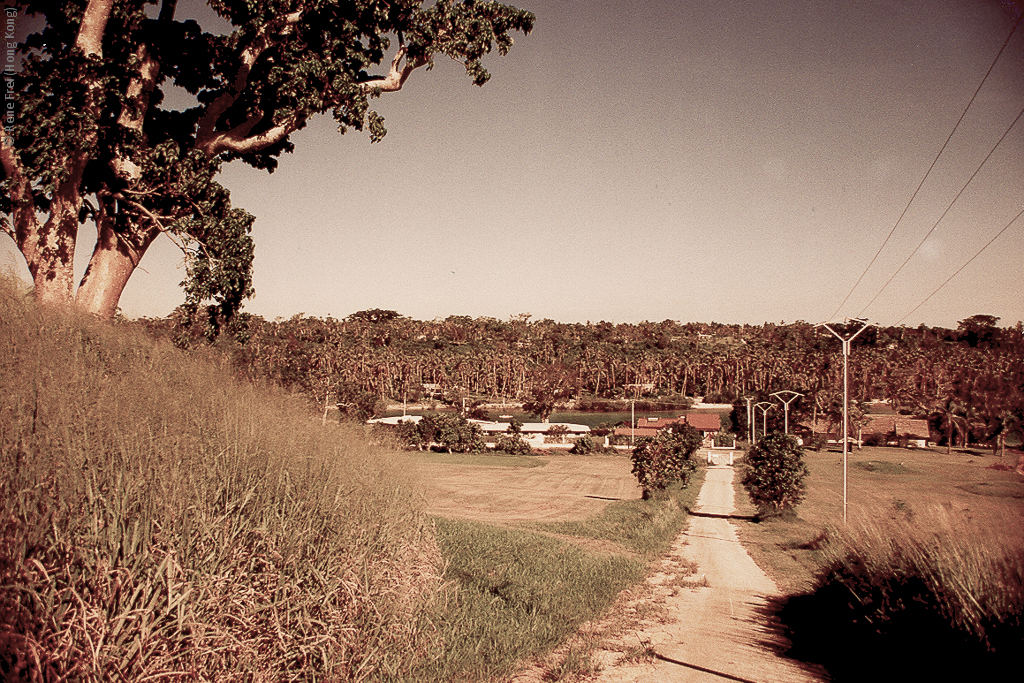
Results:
x,y
707,424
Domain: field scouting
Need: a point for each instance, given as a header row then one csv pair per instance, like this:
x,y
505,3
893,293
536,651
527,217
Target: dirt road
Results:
x,y
718,632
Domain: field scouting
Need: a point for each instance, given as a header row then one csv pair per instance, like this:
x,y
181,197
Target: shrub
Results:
x,y
665,458
775,472
513,444
556,434
583,446
452,432
928,605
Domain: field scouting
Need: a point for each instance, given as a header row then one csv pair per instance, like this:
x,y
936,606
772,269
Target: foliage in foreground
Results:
x,y
935,606
775,472
665,458
159,520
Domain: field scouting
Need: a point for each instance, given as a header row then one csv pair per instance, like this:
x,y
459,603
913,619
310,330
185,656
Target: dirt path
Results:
x,y
712,633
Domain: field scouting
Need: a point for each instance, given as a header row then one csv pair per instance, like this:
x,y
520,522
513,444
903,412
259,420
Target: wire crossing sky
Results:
x,y
628,161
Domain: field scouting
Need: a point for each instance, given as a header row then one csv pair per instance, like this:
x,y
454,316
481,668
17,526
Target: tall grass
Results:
x,y
915,598
160,520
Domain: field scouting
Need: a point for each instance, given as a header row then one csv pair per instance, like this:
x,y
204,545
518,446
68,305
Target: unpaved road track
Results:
x,y
720,632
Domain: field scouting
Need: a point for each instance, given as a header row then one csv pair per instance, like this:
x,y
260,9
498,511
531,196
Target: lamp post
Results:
x,y
765,406
786,401
846,397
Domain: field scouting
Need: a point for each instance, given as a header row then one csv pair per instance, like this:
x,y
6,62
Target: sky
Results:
x,y
736,162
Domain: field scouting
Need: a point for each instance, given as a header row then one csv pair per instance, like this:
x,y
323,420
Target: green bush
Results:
x,y
513,444
665,458
775,472
928,605
452,432
583,446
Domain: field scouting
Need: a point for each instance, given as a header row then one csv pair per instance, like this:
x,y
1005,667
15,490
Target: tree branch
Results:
x,y
207,138
397,75
93,26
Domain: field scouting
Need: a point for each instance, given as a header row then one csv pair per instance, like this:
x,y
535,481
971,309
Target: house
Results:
x,y
707,424
536,433
897,430
881,429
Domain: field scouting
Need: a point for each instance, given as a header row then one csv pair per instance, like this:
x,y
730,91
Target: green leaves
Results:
x,y
130,130
775,473
666,458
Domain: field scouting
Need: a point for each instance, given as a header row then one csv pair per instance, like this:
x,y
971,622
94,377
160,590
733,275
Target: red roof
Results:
x,y
704,422
898,425
649,426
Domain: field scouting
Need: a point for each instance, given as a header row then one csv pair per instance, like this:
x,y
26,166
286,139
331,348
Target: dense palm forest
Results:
x,y
969,381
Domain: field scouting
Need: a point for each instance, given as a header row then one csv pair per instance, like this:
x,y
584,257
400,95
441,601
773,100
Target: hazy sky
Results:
x,y
697,161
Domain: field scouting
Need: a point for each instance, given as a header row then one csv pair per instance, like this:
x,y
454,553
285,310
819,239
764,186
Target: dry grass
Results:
x,y
160,520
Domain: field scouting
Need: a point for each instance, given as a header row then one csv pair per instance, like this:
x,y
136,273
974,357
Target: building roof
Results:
x,y
898,425
704,422
649,426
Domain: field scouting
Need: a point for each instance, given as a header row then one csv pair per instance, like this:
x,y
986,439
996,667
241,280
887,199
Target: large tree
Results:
x,y
88,136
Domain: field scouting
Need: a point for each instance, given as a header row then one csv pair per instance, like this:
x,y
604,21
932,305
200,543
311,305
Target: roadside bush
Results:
x,y
665,458
775,472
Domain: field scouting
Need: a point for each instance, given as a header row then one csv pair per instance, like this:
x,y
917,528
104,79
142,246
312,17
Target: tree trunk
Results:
x,y
113,261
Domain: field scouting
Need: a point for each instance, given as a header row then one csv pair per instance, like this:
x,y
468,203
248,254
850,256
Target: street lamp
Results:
x,y
846,395
764,415
786,402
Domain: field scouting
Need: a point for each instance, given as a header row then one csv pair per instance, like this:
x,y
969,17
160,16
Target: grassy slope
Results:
x,y
518,593
159,517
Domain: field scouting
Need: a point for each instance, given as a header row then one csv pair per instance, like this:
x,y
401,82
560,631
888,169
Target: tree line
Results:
x,y
969,380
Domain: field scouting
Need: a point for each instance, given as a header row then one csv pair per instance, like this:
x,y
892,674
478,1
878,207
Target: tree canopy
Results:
x,y
95,130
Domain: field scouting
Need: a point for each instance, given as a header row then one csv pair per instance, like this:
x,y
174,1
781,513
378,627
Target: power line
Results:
x,y
969,261
928,172
936,225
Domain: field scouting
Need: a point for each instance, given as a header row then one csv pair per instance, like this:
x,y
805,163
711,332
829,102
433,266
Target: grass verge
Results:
x,y
517,595
926,575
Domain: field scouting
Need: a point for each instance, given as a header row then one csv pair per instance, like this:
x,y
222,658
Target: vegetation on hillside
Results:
x,y
160,517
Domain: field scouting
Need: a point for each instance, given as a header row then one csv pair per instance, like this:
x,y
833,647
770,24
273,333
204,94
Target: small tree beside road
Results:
x,y
775,473
665,458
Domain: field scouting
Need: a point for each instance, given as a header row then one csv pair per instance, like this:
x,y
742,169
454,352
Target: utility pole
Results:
x,y
765,406
750,420
793,396
632,422
846,396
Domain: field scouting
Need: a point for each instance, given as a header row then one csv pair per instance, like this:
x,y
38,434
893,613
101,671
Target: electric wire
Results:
x,y
930,167
936,225
969,261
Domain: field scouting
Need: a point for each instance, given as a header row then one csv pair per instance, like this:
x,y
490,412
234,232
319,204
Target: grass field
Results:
x,y
906,486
